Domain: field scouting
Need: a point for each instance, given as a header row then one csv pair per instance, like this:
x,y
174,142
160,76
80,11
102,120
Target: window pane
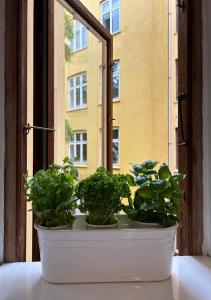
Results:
x,y
116,87
77,39
115,134
84,152
115,20
105,7
84,94
78,137
84,78
78,97
71,98
84,37
71,151
115,153
78,147
106,21
115,4
78,80
84,136
71,82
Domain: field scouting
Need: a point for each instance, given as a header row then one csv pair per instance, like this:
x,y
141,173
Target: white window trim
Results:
x,y
79,162
117,61
75,86
81,26
111,10
116,165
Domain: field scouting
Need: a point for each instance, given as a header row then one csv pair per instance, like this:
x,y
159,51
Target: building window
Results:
x,y
115,150
79,40
110,15
77,92
116,80
78,147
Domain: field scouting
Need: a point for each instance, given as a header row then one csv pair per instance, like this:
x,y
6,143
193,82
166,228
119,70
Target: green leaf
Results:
x,y
130,180
146,192
164,172
139,180
149,164
178,177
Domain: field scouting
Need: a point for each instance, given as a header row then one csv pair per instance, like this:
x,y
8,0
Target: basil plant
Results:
x,y
51,193
158,196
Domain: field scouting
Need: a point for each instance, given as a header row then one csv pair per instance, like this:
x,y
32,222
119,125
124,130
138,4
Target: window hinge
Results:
x,y
28,127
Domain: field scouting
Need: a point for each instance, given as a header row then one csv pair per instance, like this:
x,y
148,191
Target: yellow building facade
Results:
x,y
144,111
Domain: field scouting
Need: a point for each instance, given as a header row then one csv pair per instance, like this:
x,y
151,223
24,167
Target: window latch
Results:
x,y
28,127
181,97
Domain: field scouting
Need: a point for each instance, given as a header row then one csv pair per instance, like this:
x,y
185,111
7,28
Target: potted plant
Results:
x,y
100,195
51,193
158,197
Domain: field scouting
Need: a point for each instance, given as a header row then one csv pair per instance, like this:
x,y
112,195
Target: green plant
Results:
x,y
68,34
100,195
158,198
51,193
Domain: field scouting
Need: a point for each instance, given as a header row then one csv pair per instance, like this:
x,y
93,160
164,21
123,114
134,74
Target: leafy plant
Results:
x,y
51,193
68,33
100,195
158,198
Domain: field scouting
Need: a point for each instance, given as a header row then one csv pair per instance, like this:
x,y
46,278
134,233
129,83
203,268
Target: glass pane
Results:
x,y
78,155
116,87
78,96
78,40
115,20
105,7
106,21
115,4
84,153
115,134
84,94
84,37
72,151
84,136
82,67
115,153
78,137
71,98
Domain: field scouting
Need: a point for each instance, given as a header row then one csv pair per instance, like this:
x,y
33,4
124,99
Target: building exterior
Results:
x,y
144,102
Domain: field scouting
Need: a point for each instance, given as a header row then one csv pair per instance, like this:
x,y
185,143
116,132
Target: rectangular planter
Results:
x,y
125,253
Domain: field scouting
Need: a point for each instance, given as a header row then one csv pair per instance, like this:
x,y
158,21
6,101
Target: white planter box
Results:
x,y
125,253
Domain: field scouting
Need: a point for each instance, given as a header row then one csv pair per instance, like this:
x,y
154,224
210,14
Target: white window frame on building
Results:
x,y
116,141
109,10
79,140
79,32
77,83
116,75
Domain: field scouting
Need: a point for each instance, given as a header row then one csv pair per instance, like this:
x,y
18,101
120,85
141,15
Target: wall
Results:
x,y
207,124
2,5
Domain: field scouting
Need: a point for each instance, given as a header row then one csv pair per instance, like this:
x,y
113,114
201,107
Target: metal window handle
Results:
x,y
28,127
181,97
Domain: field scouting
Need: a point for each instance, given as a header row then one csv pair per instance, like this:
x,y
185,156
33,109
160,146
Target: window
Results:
x,y
116,80
110,15
79,40
77,92
115,151
78,147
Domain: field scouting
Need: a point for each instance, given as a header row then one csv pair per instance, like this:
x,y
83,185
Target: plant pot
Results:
x,y
148,225
124,253
102,226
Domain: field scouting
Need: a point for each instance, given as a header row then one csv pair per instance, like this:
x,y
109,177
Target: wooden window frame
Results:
x,y
190,236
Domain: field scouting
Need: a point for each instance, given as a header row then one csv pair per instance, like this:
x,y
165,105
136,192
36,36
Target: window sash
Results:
x,y
79,41
73,146
115,141
112,11
73,87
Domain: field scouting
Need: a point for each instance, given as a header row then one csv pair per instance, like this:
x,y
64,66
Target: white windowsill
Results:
x,y
77,108
191,277
81,165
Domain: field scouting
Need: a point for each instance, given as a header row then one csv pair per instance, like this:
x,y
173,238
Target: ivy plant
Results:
x,y
100,196
51,193
158,196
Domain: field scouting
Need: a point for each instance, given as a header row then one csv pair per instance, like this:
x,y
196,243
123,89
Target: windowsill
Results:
x,y
116,33
76,109
116,167
79,50
81,165
27,282
116,100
